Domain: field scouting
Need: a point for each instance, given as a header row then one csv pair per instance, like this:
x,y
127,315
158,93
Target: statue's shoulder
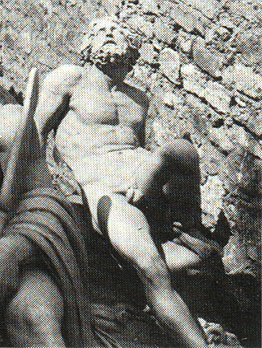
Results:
x,y
66,75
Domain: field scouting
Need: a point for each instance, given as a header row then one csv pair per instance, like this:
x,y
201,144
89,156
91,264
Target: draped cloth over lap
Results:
x,y
45,217
48,220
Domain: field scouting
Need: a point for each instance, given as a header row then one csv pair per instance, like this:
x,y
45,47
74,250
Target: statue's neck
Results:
x,y
114,75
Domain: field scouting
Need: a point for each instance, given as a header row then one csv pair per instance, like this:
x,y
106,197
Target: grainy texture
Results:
x,y
202,59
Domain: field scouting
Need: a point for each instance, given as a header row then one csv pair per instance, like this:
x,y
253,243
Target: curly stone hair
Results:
x,y
133,39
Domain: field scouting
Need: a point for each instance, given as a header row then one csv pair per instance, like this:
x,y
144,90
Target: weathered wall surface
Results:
x,y
202,59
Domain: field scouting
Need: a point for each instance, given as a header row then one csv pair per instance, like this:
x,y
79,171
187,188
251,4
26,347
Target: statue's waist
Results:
x,y
74,135
111,148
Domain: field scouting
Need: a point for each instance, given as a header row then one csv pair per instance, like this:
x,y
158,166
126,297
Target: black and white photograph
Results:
x,y
130,173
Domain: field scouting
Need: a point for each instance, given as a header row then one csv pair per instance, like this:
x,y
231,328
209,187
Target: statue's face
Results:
x,y
108,42
108,37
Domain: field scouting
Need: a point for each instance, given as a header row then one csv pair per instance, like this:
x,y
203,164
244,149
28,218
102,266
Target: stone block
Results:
x,y
165,6
141,76
234,259
193,80
250,10
218,35
254,124
238,135
110,5
217,96
225,21
210,158
147,53
149,6
163,32
235,136
172,100
207,61
254,147
139,24
158,46
185,42
169,61
249,45
251,120
240,101
212,193
244,80
161,132
207,7
185,19
219,137
26,41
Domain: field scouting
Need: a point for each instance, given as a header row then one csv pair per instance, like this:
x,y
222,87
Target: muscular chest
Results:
x,y
95,105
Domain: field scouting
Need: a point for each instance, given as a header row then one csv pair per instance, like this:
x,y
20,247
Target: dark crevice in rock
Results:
x,y
224,152
241,124
218,123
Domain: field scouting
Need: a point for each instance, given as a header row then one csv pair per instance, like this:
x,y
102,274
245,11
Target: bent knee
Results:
x,y
34,316
33,323
181,153
153,269
23,311
37,302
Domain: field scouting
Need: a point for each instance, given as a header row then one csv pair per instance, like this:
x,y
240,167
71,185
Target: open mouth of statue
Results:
x,y
112,42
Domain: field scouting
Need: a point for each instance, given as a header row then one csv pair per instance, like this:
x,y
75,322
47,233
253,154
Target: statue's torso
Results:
x,y
101,121
99,115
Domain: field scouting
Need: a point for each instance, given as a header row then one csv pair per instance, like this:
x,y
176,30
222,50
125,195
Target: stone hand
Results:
x,y
133,194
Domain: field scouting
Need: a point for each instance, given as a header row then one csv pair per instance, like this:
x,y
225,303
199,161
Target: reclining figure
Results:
x,y
59,285
100,133
44,249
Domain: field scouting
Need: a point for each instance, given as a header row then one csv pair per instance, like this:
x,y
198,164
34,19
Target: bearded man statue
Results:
x,y
99,121
58,289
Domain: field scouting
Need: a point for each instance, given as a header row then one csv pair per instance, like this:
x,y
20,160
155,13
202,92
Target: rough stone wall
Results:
x,y
202,61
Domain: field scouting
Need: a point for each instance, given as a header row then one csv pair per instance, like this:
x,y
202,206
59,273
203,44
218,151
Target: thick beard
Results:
x,y
112,57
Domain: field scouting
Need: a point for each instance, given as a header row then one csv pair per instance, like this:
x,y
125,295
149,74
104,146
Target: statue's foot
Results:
x,y
217,336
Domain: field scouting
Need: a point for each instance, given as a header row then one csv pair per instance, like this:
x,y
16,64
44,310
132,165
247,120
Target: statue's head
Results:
x,y
109,41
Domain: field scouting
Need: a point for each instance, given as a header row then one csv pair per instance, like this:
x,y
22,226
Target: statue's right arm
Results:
x,y
54,98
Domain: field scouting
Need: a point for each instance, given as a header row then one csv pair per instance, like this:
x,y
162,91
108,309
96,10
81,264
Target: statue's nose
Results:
x,y
109,33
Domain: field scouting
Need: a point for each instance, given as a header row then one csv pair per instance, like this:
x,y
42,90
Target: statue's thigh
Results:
x,y
152,173
179,258
178,159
